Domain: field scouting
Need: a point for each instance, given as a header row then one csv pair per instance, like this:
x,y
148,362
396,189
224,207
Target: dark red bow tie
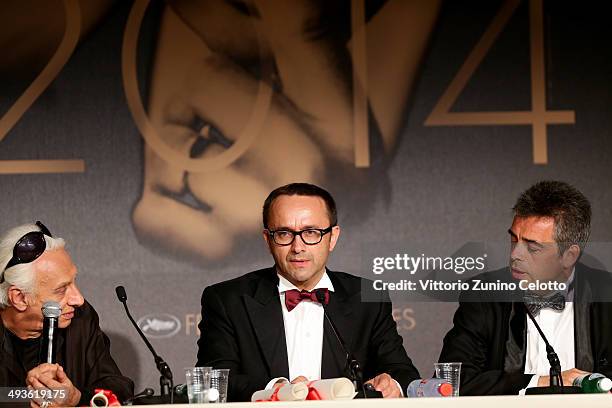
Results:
x,y
294,296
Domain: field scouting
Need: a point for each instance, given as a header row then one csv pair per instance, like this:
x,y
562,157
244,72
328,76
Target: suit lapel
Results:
x,y
583,353
518,324
339,310
266,316
514,358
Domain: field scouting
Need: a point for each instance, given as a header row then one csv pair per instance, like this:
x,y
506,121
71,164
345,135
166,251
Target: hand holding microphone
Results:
x,y
49,375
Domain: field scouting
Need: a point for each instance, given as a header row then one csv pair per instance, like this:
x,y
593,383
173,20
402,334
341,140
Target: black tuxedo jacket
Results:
x,y
242,329
489,337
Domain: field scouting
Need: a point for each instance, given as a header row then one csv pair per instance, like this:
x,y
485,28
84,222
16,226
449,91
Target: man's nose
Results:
x,y
517,251
298,244
75,298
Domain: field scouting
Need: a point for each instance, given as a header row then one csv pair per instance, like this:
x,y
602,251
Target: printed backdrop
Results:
x,y
148,134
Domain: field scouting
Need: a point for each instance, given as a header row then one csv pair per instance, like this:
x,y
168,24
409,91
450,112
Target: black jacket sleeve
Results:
x,y
472,342
387,349
217,347
97,369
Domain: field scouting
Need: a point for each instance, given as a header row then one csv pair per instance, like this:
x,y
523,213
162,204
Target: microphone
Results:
x,y
48,347
165,380
366,390
120,290
556,379
147,392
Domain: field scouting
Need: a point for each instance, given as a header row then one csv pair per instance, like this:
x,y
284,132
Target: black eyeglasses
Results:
x,y
28,248
310,236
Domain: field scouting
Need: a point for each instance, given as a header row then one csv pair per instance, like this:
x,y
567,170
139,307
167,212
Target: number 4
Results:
x,y
538,117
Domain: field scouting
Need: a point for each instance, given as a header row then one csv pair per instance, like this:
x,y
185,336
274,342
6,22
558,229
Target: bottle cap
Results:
x,y
445,389
605,384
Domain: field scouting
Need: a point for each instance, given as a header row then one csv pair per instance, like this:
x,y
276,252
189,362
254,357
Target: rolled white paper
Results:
x,y
334,388
286,392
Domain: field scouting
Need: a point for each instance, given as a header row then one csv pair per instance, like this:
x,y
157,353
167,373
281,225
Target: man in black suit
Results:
x,y
258,326
499,347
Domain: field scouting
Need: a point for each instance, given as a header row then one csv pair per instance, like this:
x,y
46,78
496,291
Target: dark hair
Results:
x,y
569,207
301,189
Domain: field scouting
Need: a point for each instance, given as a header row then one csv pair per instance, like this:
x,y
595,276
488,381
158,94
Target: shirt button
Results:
x,y
307,334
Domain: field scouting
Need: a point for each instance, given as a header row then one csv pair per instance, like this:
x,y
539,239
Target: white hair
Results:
x,y
21,275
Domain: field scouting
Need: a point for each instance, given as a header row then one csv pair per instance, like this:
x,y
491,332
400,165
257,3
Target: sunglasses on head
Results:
x,y
28,248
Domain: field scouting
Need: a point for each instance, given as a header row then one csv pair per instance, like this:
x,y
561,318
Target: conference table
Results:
x,y
531,401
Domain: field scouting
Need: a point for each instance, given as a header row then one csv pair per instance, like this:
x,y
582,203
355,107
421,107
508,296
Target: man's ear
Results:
x,y
266,237
570,256
17,298
335,234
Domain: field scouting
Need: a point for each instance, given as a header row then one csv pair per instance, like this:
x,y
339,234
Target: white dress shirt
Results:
x,y
558,327
303,332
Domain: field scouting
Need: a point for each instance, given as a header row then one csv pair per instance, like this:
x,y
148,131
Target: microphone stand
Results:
x,y
556,379
355,370
165,379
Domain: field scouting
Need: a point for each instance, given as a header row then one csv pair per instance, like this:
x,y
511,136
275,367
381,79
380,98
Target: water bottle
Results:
x,y
429,387
593,383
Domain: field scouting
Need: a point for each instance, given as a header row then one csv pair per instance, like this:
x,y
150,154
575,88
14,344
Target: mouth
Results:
x,y
517,274
68,315
299,262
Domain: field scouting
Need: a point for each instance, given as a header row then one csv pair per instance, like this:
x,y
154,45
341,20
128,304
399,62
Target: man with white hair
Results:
x,y
35,268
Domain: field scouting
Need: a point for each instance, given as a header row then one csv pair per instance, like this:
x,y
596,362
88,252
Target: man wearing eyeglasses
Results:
x,y
35,268
268,326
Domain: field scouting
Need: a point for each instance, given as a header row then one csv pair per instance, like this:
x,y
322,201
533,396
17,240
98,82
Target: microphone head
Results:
x,y
51,308
120,290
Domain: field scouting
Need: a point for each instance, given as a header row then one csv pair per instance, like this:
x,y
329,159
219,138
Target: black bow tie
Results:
x,y
535,303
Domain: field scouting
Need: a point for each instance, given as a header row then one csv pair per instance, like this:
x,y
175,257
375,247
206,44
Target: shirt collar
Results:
x,y
324,283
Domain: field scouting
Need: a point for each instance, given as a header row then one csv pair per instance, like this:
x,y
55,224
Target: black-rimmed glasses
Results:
x,y
28,248
310,236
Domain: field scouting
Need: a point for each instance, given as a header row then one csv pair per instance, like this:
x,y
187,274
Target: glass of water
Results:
x,y
218,382
450,372
198,383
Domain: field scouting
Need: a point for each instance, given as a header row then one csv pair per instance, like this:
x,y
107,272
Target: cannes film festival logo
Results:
x,y
160,325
